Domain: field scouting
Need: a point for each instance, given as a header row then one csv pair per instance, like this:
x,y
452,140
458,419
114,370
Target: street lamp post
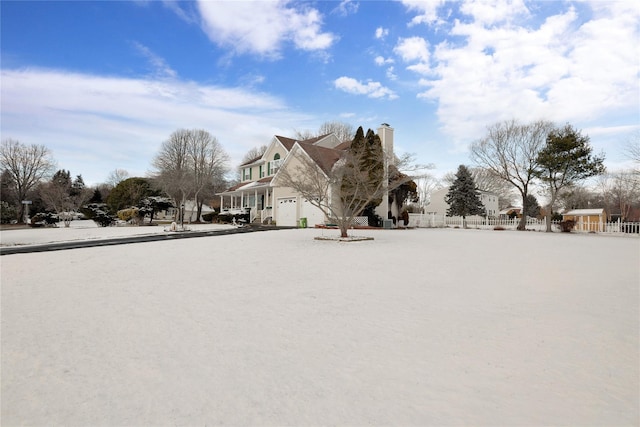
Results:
x,y
182,216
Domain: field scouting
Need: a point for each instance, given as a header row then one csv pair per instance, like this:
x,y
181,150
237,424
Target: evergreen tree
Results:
x,y
565,160
463,196
364,172
533,207
129,193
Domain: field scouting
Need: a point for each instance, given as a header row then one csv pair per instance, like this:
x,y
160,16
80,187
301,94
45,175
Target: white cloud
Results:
x,y
381,33
95,124
159,65
428,11
370,88
381,60
575,66
346,7
263,27
391,74
489,13
414,49
187,14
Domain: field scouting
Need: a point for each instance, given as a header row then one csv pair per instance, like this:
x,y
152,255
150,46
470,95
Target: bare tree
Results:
x,y
188,163
208,162
344,131
623,190
65,197
303,135
510,151
116,176
632,151
26,165
172,165
254,153
343,189
426,185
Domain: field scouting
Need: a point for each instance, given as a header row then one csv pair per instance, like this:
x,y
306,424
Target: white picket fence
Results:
x,y
441,221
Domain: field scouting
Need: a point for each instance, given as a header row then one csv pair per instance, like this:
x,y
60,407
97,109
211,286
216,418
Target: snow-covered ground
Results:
x,y
87,230
417,327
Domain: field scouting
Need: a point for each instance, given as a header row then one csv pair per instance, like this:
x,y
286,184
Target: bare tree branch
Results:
x,y
27,165
510,151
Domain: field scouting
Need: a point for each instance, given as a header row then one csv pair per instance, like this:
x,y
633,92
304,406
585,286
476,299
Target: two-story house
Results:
x,y
267,201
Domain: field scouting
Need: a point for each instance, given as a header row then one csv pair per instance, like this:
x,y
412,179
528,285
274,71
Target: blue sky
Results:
x,y
103,84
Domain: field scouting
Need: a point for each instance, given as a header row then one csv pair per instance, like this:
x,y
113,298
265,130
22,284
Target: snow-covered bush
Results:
x,y
98,213
46,219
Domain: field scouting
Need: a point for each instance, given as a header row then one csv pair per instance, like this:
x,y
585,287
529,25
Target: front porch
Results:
x,y
255,196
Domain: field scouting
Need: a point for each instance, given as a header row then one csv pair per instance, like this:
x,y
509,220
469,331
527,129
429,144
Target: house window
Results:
x,y
277,161
246,174
261,172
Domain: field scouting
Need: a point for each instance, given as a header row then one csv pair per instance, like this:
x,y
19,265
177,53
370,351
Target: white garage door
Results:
x,y
313,214
286,215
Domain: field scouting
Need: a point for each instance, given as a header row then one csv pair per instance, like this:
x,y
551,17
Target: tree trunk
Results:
x,y
464,222
343,230
522,225
199,204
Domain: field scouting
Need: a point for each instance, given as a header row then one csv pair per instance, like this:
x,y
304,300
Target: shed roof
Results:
x,y
585,212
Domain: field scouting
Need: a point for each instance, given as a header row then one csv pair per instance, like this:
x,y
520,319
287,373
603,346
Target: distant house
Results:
x,y
438,206
190,210
510,212
587,219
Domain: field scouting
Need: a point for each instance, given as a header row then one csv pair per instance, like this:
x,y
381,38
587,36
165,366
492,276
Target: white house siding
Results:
x,y
438,206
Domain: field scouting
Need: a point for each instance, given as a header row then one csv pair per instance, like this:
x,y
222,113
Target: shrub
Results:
x,y
228,218
208,217
46,219
405,217
567,226
98,213
130,215
7,213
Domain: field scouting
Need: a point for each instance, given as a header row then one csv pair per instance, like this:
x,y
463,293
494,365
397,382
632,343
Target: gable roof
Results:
x,y
286,142
324,157
248,162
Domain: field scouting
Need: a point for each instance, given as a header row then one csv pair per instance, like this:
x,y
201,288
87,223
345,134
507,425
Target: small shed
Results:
x,y
587,219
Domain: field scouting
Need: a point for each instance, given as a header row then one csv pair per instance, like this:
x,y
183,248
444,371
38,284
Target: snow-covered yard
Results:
x,y
417,327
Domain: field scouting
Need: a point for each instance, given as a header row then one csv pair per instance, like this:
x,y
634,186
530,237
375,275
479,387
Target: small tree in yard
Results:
x,y
345,183
463,196
152,204
64,196
564,160
533,207
129,193
510,152
98,212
